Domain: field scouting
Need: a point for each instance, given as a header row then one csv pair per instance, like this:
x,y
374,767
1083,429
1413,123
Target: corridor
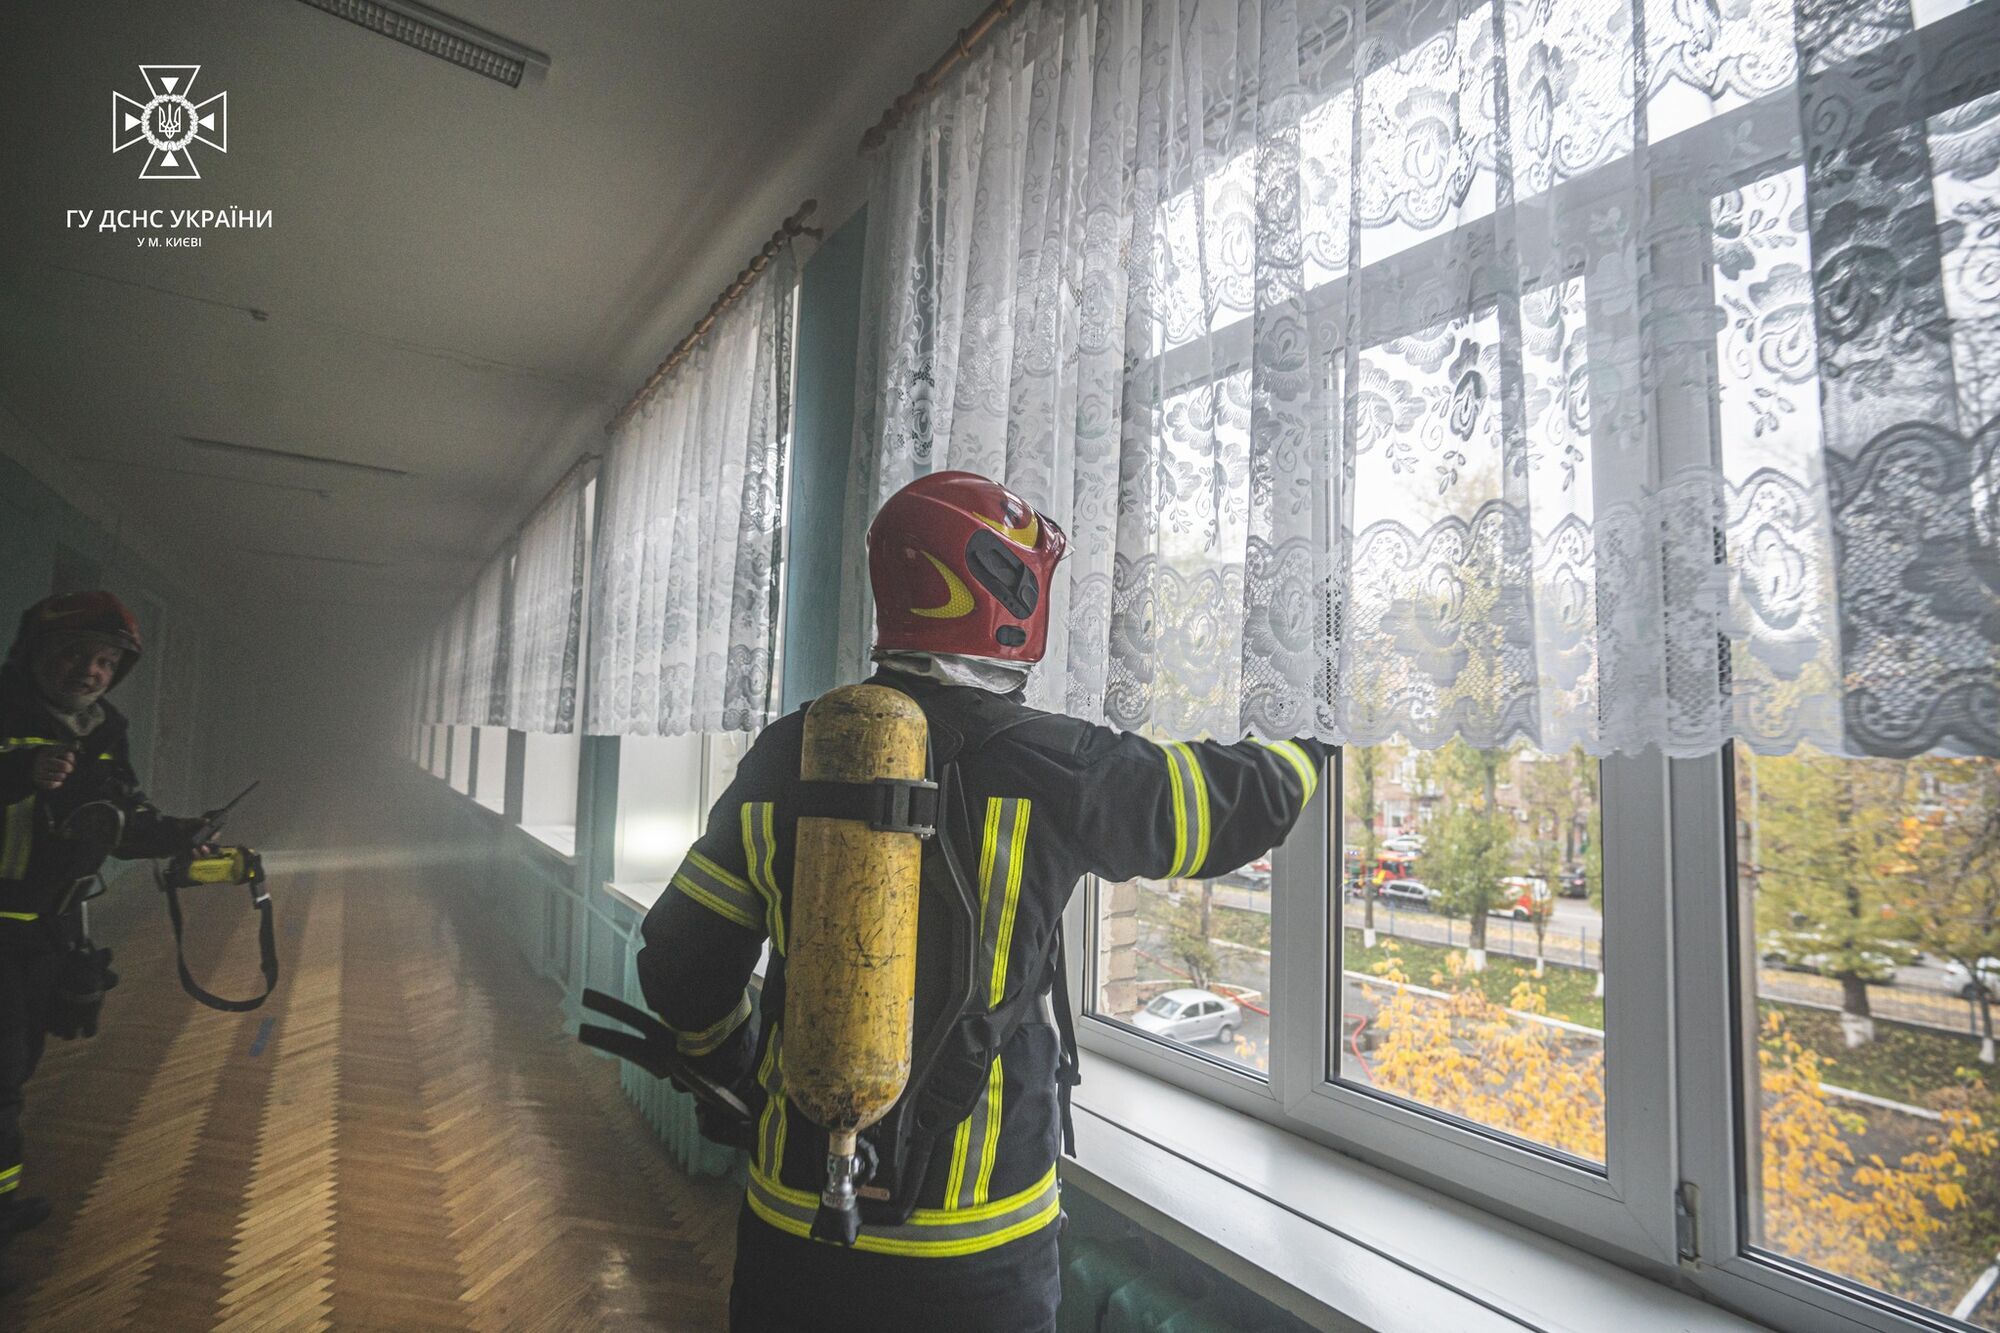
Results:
x,y
403,1138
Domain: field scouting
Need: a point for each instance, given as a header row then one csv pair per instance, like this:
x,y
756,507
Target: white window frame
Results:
x,y
1671,1198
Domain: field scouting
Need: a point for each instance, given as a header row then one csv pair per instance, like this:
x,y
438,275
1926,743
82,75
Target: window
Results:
x,y
1870,893
489,785
1470,968
1773,1055
1165,947
549,771
461,758
660,813
440,749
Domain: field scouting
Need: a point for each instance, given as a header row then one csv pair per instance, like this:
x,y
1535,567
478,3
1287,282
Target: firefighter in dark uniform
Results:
x,y
960,568
62,747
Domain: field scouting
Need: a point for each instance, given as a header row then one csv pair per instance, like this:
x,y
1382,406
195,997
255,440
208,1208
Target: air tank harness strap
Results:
x,y
267,943
1069,1070
887,805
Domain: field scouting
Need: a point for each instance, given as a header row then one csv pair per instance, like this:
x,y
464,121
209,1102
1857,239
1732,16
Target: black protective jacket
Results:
x,y
1041,800
33,888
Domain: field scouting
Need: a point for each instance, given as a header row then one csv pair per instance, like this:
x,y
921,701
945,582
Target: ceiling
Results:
x,y
460,284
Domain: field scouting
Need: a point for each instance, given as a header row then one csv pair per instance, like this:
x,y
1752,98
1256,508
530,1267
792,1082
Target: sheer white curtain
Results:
x,y
1601,372
546,612
685,578
454,699
482,689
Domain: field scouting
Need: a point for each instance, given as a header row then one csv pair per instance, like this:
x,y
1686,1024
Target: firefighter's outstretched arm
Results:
x,y
1188,809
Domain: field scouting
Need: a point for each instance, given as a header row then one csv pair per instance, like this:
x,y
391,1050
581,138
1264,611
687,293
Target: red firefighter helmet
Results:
x,y
961,564
97,614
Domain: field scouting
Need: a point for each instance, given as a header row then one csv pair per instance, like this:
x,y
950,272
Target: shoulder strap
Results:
x,y
1068,1069
267,944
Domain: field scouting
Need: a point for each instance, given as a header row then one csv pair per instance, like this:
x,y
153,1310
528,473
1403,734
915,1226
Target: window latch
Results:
x,y
1687,1235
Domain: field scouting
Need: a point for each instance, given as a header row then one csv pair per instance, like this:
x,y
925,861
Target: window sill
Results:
x,y
1340,1243
497,807
558,838
637,894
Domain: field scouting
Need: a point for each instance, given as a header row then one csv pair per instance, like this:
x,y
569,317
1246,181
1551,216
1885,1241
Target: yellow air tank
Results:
x,y
852,963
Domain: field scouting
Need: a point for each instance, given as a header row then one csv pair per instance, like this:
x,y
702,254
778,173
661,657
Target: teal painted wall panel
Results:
x,y
822,429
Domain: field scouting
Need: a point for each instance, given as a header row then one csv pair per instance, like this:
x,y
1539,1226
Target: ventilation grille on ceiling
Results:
x,y
442,36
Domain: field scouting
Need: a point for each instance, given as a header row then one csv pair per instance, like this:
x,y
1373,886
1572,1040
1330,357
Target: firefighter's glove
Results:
x,y
79,994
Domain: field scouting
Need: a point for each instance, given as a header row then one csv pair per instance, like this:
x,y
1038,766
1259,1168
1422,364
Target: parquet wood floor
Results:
x,y
414,1144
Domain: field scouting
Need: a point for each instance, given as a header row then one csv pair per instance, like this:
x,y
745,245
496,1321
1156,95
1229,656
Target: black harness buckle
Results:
x,y
887,805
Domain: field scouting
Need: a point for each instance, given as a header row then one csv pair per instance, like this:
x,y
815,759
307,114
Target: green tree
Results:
x,y
1951,843
1363,762
1188,935
1468,849
1825,852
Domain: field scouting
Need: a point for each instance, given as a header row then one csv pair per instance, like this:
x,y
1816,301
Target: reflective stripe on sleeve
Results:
x,y
1190,795
760,853
719,891
26,743
1294,754
711,1037
931,1233
10,1179
16,835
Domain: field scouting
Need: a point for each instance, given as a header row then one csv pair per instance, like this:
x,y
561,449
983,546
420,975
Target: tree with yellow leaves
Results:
x,y
1858,1215
1826,1199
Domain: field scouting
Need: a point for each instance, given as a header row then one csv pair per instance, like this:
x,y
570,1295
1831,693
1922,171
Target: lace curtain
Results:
x,y
686,575
546,611
482,699
1601,372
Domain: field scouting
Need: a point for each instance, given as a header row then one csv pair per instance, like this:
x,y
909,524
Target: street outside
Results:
x,y
1920,994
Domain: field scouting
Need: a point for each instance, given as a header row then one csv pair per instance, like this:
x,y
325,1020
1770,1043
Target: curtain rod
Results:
x,y
928,81
790,227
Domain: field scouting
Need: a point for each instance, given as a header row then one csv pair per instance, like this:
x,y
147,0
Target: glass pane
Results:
x,y
1873,901
659,805
1188,961
489,784
1470,937
548,788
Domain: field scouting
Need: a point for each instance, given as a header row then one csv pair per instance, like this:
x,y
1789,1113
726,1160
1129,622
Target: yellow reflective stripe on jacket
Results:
x,y
20,916
709,1038
17,830
760,853
1294,754
720,892
996,1083
728,909
771,1125
26,743
1190,794
931,1233
10,1179
1002,854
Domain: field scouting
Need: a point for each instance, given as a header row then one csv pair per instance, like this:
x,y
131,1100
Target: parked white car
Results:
x,y
1190,1014
1405,844
1408,894
1958,978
